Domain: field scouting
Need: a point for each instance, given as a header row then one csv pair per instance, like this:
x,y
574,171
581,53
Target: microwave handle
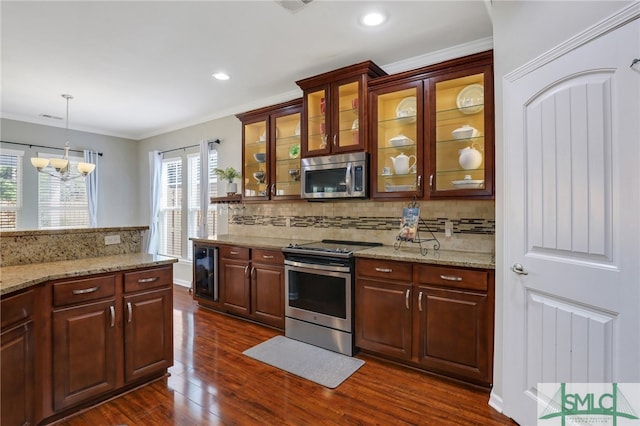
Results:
x,y
347,178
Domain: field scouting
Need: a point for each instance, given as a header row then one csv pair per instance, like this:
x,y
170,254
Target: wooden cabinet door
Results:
x,y
267,294
16,375
383,317
148,333
235,286
84,352
453,332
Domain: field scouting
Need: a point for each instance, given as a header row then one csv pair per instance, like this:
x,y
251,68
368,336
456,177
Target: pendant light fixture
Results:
x,y
60,167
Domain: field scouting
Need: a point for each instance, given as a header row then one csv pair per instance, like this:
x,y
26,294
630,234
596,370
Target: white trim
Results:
x,y
182,283
431,58
495,401
618,19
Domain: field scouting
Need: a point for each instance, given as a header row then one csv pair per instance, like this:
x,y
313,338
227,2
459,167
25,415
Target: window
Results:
x,y
194,196
62,204
10,188
171,208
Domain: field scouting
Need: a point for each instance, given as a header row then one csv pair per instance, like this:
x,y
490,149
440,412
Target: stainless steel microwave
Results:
x,y
335,176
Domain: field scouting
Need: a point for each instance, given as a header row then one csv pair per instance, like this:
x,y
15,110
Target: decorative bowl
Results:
x,y
465,132
400,140
260,157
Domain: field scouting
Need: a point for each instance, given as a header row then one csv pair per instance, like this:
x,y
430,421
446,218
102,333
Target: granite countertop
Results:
x,y
13,278
408,253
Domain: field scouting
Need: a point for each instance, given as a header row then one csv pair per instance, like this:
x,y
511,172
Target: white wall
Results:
x,y
118,200
523,30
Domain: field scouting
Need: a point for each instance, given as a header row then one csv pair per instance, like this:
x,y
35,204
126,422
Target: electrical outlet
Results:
x,y
448,229
112,239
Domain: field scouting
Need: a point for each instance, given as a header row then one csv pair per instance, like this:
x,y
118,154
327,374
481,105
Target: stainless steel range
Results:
x,y
319,289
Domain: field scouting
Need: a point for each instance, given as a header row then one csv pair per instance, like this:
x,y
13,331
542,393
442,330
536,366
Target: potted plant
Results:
x,y
229,174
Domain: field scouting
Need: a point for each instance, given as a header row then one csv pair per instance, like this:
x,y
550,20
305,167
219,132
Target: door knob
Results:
x,y
519,269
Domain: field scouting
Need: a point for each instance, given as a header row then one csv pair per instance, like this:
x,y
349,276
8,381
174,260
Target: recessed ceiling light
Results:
x,y
373,19
221,76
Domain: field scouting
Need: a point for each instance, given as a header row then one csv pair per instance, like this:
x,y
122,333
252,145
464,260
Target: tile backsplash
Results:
x,y
473,221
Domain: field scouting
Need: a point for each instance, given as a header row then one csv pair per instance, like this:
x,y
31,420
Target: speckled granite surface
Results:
x,y
408,252
38,246
14,278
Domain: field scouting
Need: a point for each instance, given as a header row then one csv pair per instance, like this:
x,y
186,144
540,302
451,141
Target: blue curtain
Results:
x,y
91,180
155,175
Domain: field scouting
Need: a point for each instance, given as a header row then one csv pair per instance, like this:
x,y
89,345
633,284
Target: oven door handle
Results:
x,y
329,267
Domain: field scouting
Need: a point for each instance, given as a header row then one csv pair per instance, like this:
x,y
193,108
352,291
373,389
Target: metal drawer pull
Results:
x,y
451,278
112,311
385,270
147,280
406,298
129,312
86,290
264,256
234,252
253,273
420,302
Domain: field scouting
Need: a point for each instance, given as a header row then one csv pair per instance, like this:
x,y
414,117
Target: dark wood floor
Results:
x,y
213,383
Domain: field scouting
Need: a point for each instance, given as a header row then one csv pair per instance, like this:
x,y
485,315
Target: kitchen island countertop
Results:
x,y
14,278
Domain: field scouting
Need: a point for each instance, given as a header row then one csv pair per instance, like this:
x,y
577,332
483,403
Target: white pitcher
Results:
x,y
401,164
470,158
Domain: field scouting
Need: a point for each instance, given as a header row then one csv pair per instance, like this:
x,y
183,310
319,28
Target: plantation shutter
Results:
x,y
171,208
10,188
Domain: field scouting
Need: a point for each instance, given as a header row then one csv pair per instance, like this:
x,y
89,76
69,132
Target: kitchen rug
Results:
x,y
321,366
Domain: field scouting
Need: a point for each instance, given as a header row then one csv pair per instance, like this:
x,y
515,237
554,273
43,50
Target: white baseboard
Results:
x,y
182,283
495,402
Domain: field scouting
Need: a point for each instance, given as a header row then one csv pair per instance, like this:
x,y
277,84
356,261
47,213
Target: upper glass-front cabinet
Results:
x,y
397,158
462,134
271,152
334,105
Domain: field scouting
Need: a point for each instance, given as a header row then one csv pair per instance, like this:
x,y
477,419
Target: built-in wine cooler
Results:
x,y
205,272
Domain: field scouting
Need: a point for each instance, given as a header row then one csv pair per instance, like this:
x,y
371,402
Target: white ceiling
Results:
x,y
138,69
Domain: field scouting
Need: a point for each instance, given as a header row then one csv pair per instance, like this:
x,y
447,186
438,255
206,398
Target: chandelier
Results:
x,y
60,167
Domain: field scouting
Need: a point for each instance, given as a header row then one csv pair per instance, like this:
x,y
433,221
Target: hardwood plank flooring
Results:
x,y
212,383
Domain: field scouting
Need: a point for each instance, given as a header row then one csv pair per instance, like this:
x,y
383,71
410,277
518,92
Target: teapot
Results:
x,y
469,158
401,163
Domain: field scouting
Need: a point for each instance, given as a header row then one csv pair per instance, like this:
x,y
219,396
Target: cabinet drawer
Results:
x,y
68,292
148,278
384,269
14,309
453,277
267,256
231,252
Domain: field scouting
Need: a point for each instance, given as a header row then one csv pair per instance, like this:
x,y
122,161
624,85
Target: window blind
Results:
x,y
62,204
171,208
194,196
10,188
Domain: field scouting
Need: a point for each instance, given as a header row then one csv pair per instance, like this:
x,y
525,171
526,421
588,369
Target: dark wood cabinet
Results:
x,y
17,356
251,284
335,110
432,317
84,352
440,120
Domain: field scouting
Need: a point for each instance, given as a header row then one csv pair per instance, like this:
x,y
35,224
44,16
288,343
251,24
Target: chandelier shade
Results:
x,y
60,166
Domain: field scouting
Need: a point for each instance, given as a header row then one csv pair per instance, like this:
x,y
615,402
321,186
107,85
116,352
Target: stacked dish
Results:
x,y
406,109
400,140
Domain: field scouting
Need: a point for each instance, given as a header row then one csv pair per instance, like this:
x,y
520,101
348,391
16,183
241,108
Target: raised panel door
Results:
x,y
267,294
453,333
17,375
235,286
383,317
84,352
148,333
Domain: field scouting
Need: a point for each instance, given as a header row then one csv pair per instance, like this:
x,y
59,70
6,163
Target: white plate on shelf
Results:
x,y
470,100
468,183
406,109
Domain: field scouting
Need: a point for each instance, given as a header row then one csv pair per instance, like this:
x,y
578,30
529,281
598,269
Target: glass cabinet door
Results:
x,y
462,151
286,153
317,123
346,133
397,156
255,176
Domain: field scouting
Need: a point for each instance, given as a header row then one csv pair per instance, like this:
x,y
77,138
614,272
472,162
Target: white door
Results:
x,y
572,220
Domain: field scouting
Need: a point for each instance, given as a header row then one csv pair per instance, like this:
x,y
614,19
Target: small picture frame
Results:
x,y
409,224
